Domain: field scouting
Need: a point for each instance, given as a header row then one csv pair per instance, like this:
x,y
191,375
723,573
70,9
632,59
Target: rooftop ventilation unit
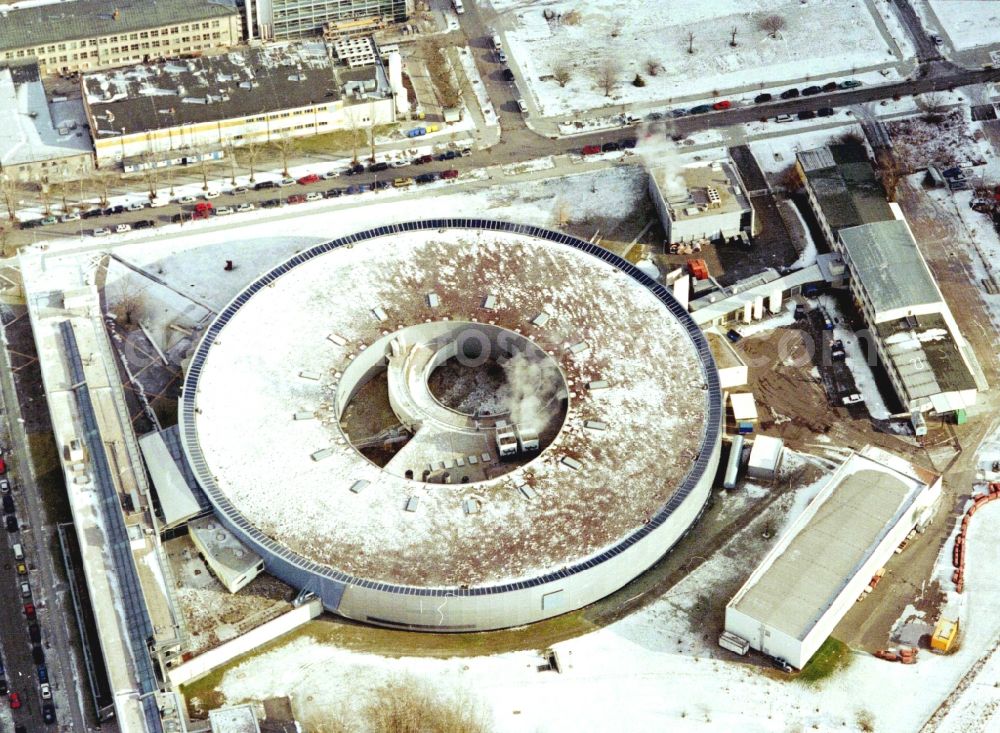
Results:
x,y
714,200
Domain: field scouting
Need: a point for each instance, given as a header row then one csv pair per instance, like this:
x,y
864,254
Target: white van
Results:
x,y
18,551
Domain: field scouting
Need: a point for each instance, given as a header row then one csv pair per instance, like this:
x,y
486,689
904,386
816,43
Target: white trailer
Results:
x,y
734,643
733,465
459,7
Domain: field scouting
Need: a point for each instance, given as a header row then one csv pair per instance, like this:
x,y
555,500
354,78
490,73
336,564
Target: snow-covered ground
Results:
x,y
648,670
583,38
969,23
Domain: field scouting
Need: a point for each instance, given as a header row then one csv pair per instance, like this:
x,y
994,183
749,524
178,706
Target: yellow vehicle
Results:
x,y
402,183
22,569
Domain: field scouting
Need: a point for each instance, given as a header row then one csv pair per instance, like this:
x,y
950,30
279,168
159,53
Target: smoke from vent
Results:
x,y
658,151
533,382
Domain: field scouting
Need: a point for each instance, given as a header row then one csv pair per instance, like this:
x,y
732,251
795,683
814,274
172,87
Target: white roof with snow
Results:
x,y
765,453
261,458
744,406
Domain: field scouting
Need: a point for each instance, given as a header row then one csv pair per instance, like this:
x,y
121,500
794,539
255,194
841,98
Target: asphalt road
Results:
x,y
48,594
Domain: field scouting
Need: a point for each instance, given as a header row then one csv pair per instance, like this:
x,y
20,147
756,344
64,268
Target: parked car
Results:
x,y
426,178
522,106
91,213
849,84
789,94
334,193
402,183
722,104
210,194
186,199
122,228
314,196
610,147
507,75
423,159
448,155
3,686
825,112
37,654
591,149
806,114
307,179
224,211
4,486
466,152
138,206
11,522
3,466
852,399
157,202
629,143
245,206
351,190
733,335
8,505
783,118
46,691
15,701
49,713
203,210
297,198
35,633
31,224
446,175
101,232
49,220
700,109
501,56
116,209
285,182
329,175
43,673
381,185
679,112
355,169
809,91
263,185
378,167
761,98
270,203
29,611
830,86
72,216
238,190
399,164
936,39
25,589
143,224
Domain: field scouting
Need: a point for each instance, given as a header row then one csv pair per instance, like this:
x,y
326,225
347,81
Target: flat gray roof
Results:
x,y
67,21
890,267
845,185
925,356
240,83
828,550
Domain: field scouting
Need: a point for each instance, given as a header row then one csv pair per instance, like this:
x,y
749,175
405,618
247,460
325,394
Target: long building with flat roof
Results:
x,y
825,559
80,35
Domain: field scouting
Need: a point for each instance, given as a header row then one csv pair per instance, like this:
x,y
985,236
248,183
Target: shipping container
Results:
x,y
732,642
416,132
745,428
698,269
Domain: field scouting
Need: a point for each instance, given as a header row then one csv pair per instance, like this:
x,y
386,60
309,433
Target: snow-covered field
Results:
x,y
649,671
821,38
969,23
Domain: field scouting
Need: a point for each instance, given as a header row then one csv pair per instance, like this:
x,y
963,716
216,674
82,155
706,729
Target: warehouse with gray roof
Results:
x,y
823,562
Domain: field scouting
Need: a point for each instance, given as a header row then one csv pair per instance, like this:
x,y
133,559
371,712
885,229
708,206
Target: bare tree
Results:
x,y
889,172
732,37
606,75
126,301
10,189
691,42
285,146
407,704
773,24
653,67
442,76
100,180
561,73
933,106
252,152
616,28
150,173
45,192
231,152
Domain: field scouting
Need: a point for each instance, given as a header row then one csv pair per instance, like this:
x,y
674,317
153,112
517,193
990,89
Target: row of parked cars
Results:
x,y
34,631
626,144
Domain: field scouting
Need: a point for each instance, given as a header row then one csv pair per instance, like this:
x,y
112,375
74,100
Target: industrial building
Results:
x,y
82,35
285,19
360,511
916,338
164,112
829,554
701,202
40,140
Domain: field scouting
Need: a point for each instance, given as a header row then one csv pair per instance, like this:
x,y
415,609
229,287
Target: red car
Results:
x,y
423,159
297,198
3,466
724,104
591,149
29,611
306,180
15,701
202,210
449,174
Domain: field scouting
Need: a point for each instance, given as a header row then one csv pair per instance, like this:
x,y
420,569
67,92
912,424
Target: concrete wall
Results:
x,y
205,663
